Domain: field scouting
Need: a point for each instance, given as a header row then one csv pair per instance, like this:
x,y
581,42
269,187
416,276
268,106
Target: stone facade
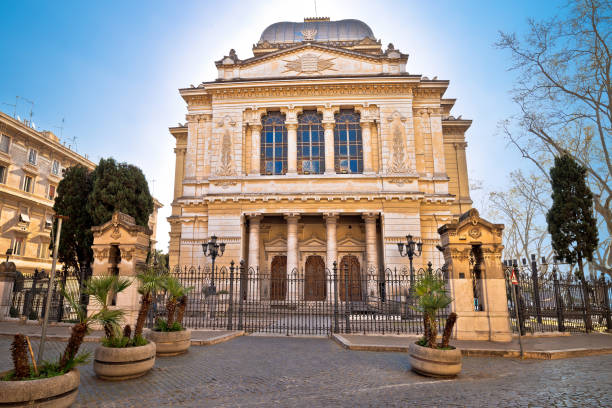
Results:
x,y
31,164
319,145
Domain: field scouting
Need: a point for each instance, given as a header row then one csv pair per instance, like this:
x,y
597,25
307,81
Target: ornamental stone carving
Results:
x,y
226,167
309,64
398,132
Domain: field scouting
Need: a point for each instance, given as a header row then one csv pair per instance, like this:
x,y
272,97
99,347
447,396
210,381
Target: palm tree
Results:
x,y
182,304
150,282
432,296
102,288
174,289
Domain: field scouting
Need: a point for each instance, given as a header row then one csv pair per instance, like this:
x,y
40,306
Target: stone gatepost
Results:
x,y
120,248
8,271
472,250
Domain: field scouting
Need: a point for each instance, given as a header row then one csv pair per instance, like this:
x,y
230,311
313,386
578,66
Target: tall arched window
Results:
x,y
274,144
348,146
310,144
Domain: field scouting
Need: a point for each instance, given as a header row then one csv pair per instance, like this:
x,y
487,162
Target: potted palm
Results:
x,y
169,334
120,356
427,356
54,384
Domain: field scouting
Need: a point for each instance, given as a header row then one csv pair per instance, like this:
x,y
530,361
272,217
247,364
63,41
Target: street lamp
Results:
x,y
410,249
9,252
213,250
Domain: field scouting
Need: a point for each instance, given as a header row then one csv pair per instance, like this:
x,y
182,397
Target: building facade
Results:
x,y
31,164
319,148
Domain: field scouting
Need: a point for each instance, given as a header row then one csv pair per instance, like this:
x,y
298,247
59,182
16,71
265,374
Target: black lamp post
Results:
x,y
213,249
410,249
9,252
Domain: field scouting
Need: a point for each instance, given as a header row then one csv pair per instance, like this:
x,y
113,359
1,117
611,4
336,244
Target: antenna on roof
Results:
x,y
315,4
14,105
73,141
61,128
31,107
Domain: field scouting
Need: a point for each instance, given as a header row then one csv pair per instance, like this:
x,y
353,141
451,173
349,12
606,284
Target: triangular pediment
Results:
x,y
312,243
276,244
349,242
309,60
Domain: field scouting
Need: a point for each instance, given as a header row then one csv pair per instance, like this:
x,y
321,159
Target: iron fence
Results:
x,y
549,300
318,302
29,297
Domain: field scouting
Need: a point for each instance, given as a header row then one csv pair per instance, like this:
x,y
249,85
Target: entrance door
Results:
x,y
278,278
314,278
350,278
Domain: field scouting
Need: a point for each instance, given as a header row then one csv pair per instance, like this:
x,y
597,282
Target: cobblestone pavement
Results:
x,y
311,372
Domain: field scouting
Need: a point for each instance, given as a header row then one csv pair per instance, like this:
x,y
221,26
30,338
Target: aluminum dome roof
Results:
x,y
341,30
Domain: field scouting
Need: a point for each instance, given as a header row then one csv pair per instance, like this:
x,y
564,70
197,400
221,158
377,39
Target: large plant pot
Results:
x,y
170,343
54,392
116,364
434,362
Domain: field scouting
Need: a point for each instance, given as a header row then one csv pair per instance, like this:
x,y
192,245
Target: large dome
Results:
x,y
316,30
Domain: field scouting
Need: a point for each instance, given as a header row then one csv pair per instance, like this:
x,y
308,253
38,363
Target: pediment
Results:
x,y
276,244
312,244
471,229
349,242
309,60
120,228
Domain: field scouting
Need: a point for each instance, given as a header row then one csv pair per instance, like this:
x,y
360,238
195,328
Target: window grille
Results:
x,y
310,144
348,147
273,144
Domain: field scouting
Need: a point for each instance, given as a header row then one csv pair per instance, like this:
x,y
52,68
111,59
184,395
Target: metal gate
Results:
x,y
315,301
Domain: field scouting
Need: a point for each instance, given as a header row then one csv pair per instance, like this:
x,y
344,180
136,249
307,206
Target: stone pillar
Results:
x,y
254,223
371,253
366,126
179,172
291,148
8,271
331,220
255,149
473,236
292,254
330,161
464,188
437,142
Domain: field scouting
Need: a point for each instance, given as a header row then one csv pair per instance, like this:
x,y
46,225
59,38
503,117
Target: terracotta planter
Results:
x,y
54,392
117,364
170,343
434,362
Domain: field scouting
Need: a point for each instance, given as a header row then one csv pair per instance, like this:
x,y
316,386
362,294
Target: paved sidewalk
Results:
x,y
61,332
544,348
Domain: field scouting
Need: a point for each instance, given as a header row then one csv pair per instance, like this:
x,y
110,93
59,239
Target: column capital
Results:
x,y
369,216
291,125
255,126
180,150
254,217
331,217
292,216
328,125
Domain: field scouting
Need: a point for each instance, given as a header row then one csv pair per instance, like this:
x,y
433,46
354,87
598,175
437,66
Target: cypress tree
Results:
x,y
570,219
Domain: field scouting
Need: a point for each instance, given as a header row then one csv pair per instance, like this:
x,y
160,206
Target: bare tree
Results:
x,y
563,95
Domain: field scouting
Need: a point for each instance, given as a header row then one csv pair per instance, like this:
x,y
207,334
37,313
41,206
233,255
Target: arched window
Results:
x,y
348,147
310,144
274,144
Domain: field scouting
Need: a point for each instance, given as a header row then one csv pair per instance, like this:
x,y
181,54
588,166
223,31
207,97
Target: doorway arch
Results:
x,y
350,279
278,278
314,278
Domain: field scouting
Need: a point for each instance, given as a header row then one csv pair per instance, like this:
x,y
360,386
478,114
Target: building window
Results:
x,y
18,246
48,222
310,144
28,183
348,145
274,144
32,156
3,173
55,167
5,143
51,192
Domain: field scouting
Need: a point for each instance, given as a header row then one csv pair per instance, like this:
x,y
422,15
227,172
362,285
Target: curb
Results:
x,y
217,339
533,355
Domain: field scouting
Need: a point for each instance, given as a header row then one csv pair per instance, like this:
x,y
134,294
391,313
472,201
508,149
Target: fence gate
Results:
x,y
315,301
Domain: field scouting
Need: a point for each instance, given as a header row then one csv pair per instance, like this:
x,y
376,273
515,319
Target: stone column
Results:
x,y
464,188
254,223
371,253
255,149
292,148
331,220
437,142
292,254
179,172
366,126
330,161
8,272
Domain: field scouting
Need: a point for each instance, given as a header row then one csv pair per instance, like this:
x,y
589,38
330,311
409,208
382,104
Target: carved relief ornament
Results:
x,y
309,64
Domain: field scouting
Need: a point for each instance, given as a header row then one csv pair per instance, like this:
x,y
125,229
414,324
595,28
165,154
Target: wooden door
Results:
x,y
278,278
350,279
314,278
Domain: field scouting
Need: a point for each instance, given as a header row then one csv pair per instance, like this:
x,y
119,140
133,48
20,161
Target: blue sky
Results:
x,y
112,69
